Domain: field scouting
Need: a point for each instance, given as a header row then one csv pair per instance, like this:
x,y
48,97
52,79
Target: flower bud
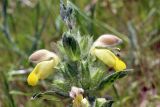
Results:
x,y
77,95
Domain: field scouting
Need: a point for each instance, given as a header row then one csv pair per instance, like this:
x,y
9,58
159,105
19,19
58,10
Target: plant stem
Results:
x,y
5,28
7,90
38,32
117,94
5,25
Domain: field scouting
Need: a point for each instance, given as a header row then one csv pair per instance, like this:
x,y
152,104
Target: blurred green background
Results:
x,y
28,25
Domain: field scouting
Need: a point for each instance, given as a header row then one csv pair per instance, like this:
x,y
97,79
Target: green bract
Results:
x,y
71,47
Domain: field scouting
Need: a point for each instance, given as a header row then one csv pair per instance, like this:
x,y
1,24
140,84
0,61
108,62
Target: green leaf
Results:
x,y
85,75
71,47
50,95
16,92
61,85
99,102
96,77
70,72
108,103
102,102
72,68
108,80
85,44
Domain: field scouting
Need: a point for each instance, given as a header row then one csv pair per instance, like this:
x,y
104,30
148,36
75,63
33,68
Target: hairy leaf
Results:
x,y
71,47
108,80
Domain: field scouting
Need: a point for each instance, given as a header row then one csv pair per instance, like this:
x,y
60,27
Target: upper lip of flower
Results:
x,y
42,55
107,40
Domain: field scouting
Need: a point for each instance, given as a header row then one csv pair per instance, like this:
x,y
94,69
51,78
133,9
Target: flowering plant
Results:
x,y
80,67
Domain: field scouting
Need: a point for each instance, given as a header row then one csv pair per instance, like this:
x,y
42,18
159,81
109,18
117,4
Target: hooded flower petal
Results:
x,y
42,55
107,40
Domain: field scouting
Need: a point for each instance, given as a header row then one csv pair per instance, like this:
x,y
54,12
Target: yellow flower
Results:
x,y
77,95
44,67
77,100
107,57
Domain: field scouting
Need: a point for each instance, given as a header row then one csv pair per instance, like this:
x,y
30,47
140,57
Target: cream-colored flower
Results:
x,y
105,55
77,95
46,61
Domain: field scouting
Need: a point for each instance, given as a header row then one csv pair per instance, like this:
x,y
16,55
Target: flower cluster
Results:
x,y
80,79
75,68
47,60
